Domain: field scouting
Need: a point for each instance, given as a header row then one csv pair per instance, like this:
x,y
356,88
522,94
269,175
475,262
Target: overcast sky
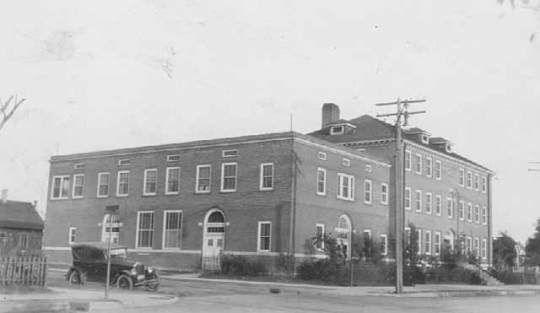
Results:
x,y
111,74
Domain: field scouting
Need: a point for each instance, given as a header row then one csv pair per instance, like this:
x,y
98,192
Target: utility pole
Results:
x,y
402,107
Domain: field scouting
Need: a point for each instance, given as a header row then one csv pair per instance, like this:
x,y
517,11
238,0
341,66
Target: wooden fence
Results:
x,y
23,271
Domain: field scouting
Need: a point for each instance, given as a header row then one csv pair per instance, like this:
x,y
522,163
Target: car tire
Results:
x,y
152,287
124,282
74,278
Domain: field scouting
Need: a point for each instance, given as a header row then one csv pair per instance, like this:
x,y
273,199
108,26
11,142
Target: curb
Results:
x,y
460,294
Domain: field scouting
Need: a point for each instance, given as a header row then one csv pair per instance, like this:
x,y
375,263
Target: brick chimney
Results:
x,y
4,196
330,113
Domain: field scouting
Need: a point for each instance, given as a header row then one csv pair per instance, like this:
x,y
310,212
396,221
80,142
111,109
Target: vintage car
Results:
x,y
90,263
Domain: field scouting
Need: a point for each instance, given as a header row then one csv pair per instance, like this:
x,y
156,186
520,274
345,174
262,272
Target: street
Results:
x,y
203,296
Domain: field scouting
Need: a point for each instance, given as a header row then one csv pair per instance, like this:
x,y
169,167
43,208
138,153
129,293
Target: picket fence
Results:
x,y
23,271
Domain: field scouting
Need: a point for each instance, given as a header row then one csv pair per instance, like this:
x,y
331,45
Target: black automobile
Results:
x,y
90,263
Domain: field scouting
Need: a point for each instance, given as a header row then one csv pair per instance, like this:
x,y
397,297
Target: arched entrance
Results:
x,y
344,232
213,239
115,228
449,239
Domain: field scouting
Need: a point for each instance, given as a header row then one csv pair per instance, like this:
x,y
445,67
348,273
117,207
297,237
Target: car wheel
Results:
x,y
74,278
152,287
124,282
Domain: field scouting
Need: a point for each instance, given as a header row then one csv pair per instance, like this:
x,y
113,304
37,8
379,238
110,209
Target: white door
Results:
x,y
114,230
214,240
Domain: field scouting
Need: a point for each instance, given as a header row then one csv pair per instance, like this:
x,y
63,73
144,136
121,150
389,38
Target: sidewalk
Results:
x,y
68,300
420,290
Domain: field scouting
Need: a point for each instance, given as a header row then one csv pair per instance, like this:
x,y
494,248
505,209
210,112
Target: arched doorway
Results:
x,y
449,239
213,239
344,232
114,231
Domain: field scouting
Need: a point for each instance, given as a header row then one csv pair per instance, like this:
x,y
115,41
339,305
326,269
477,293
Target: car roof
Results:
x,y
97,245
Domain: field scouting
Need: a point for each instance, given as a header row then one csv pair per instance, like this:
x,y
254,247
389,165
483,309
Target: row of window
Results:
x,y
420,166
466,180
425,243
229,179
433,204
345,187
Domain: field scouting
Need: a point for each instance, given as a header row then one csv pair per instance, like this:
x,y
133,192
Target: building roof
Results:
x,y
369,128
17,214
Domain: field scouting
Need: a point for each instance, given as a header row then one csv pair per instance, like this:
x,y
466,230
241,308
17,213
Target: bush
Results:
x,y
239,265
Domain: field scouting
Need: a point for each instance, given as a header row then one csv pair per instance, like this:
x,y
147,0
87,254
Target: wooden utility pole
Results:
x,y
399,166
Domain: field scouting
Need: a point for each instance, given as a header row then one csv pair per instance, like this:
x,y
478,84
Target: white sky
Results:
x,y
112,74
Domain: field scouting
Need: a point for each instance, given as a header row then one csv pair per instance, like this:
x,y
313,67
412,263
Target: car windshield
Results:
x,y
118,253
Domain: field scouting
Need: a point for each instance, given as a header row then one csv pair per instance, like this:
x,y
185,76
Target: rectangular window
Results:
x,y
476,182
419,236
319,234
228,177
346,162
450,207
477,246
384,245
124,162
321,155
437,243
23,240
429,167
429,202
321,181
477,214
438,170
203,178
462,177
384,193
79,166
427,242
418,201
368,168
418,163
469,180
407,198
150,182
484,184
367,191
469,212
122,188
264,236
469,246
462,210
484,215
408,160
407,235
72,235
173,158
345,187
172,232
78,183
229,153
172,181
60,187
103,185
145,229
484,249
438,205
267,176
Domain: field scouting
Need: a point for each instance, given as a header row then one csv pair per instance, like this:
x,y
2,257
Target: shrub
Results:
x,y
241,266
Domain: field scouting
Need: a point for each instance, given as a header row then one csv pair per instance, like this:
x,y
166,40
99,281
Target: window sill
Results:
x,y
266,189
102,197
172,193
227,191
122,196
149,195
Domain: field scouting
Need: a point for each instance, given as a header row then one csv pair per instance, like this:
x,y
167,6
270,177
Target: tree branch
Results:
x,y
8,113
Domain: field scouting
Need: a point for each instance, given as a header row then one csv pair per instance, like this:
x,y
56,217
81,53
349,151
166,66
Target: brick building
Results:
x,y
447,196
182,204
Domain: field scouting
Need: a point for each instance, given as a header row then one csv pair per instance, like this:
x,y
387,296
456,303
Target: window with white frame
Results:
x,y
346,162
450,207
384,244
23,241
427,242
461,210
469,180
408,160
484,248
172,230
384,193
477,246
203,178
145,229
321,181
319,234
78,183
477,214
367,191
124,162
484,215
345,187
476,182
79,166
267,176
429,167
229,153
418,163
103,185
418,201
72,235
368,168
429,202
438,205
265,229
173,158
469,212
407,198
60,187
407,235
419,236
438,170
484,184
122,188
172,181
462,177
321,155
469,246
150,182
228,177
437,243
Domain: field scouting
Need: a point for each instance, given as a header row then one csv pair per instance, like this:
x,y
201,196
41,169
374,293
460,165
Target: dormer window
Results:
x,y
425,139
448,148
337,130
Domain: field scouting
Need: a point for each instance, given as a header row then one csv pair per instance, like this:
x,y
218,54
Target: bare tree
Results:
x,y
8,109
